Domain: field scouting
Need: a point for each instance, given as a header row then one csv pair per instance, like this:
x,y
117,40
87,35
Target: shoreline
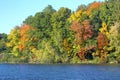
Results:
x,y
63,63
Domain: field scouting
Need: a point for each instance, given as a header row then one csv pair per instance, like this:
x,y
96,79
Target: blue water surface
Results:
x,y
59,72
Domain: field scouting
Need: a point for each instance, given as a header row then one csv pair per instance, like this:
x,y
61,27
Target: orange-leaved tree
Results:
x,y
23,36
93,6
102,41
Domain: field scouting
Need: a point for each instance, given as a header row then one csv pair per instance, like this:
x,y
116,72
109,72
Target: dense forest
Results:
x,y
91,34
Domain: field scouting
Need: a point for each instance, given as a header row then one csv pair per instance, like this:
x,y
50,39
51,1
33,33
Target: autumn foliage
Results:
x,y
101,41
23,35
79,31
93,6
64,36
83,31
82,53
88,33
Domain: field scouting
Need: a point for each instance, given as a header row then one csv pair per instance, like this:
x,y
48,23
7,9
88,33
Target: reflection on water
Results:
x,y
59,72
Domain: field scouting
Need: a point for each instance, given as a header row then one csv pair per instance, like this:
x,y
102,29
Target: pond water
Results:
x,y
59,72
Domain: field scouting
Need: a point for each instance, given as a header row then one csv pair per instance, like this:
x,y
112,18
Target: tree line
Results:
x,y
88,35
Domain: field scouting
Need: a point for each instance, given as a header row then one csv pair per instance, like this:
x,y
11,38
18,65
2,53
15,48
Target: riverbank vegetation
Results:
x,y
91,34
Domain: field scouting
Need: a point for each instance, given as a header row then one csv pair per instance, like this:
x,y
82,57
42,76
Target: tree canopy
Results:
x,y
89,34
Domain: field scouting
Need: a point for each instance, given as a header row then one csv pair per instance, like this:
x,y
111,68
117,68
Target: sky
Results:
x,y
14,12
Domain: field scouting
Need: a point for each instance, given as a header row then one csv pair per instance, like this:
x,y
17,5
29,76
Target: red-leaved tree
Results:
x,y
83,31
102,41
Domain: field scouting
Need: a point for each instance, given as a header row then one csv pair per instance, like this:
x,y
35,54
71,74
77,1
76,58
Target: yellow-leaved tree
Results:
x,y
77,16
104,29
13,41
